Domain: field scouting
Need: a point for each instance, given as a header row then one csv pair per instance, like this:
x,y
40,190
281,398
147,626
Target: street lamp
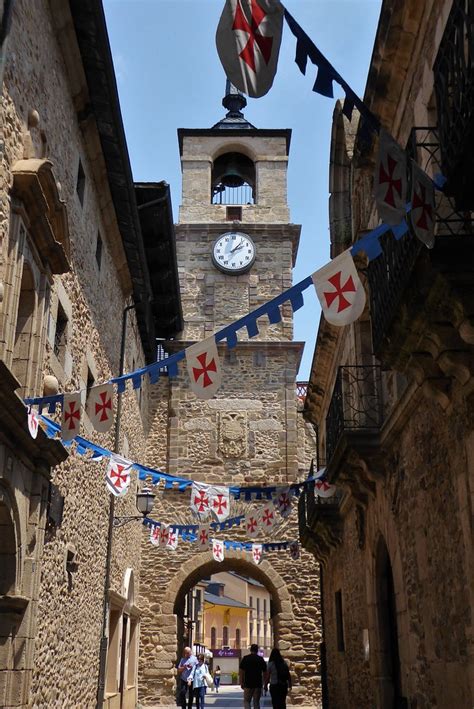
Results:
x,y
144,502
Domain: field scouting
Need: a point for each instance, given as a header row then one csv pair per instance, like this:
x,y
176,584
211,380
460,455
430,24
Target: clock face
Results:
x,y
233,252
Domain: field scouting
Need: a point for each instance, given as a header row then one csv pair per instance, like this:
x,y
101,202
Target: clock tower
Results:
x,y
235,250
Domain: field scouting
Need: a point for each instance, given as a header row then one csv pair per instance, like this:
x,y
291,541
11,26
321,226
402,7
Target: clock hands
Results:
x,y
239,246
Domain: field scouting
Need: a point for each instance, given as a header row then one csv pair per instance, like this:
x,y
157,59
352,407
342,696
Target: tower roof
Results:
x,y
235,102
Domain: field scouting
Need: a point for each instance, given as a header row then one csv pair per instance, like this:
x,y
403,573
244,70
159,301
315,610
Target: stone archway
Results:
x,y
162,595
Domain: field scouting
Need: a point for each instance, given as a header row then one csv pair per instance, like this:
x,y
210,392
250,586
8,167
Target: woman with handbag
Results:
x,y
200,679
278,674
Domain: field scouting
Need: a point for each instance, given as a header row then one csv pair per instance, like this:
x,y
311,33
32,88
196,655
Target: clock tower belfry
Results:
x,y
235,187
235,250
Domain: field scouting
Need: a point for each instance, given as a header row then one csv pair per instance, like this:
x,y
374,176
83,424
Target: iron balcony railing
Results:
x,y
454,88
356,404
390,273
222,194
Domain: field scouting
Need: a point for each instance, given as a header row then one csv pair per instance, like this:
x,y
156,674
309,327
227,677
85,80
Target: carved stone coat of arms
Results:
x,y
233,434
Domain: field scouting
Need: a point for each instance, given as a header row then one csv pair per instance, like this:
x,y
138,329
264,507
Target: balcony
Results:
x,y
320,523
454,88
414,290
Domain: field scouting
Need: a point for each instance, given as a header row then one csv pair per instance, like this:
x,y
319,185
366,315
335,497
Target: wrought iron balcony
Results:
x,y
356,404
390,273
454,88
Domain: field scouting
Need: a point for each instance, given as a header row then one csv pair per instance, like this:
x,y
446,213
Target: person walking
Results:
x,y
278,674
217,678
197,680
185,666
251,672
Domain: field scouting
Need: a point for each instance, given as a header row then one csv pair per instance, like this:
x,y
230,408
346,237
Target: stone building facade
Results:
x,y
249,432
392,393
73,264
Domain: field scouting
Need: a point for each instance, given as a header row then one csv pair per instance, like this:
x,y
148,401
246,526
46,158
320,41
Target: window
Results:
x,y
251,604
24,327
258,608
60,337
98,250
265,609
339,621
213,637
80,183
233,214
237,638
113,651
251,632
225,635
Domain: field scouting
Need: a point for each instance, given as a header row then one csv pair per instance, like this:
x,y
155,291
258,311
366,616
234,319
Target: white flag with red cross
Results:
x,y
323,488
218,550
155,535
33,423
248,42
100,407
294,550
390,180
219,502
252,524
282,501
203,536
340,291
267,516
200,499
164,535
204,369
117,477
172,542
257,553
71,415
422,215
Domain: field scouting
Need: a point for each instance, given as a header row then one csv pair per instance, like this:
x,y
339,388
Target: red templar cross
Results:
x,y
263,43
164,536
171,539
284,501
419,200
201,501
203,536
116,473
72,414
252,525
217,551
392,184
220,504
105,404
205,368
257,554
267,517
339,291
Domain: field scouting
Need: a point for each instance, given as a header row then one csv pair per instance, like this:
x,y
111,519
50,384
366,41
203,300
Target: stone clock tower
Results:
x,y
235,250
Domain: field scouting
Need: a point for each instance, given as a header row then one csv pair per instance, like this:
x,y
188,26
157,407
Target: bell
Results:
x,y
232,176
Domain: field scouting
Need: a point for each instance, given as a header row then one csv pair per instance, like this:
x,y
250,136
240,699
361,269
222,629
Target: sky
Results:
x,y
169,76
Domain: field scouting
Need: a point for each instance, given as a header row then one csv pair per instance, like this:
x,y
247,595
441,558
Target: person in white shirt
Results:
x,y
197,679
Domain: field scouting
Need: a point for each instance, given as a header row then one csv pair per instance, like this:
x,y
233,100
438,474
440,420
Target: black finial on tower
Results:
x,y
235,102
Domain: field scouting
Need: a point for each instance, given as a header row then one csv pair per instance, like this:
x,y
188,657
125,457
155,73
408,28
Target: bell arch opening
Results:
x,y
233,180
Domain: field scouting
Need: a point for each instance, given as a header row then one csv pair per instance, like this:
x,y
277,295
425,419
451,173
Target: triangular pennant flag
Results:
x,y
155,536
204,369
117,477
100,407
217,550
252,524
323,488
33,423
390,180
282,501
268,516
71,416
248,42
203,536
164,535
200,499
172,542
340,291
422,215
257,553
294,550
220,502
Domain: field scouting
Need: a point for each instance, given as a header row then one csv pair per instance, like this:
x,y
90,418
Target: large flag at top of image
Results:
x,y
248,42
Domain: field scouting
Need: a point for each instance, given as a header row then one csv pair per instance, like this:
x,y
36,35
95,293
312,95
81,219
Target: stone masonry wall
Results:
x,y
70,606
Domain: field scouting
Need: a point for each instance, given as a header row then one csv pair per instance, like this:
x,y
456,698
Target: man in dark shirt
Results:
x,y
252,669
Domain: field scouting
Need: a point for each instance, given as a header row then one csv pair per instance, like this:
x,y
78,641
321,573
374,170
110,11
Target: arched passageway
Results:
x,y
164,586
